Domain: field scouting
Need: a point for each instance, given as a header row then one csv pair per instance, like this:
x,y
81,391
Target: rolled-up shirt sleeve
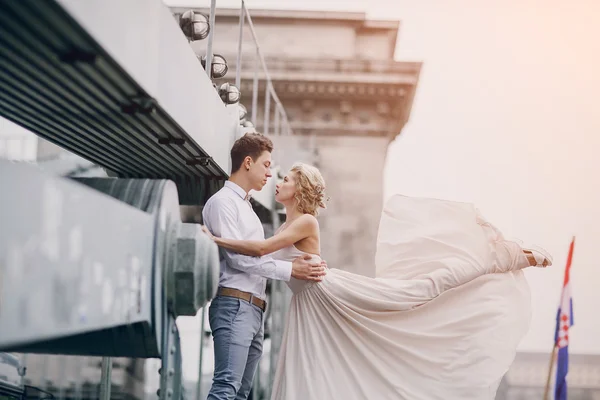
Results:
x,y
222,220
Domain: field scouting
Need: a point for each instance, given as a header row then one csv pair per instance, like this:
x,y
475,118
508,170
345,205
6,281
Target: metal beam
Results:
x,y
70,268
77,266
140,111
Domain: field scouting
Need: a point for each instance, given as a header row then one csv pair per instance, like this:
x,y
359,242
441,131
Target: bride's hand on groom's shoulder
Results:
x,y
305,269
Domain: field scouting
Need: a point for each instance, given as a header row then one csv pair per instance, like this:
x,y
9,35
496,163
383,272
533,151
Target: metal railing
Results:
x,y
282,124
280,119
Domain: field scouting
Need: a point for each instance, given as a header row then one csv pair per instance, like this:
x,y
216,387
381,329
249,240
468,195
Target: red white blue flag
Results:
x,y
564,321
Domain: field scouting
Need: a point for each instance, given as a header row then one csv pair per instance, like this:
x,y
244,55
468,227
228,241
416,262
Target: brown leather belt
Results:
x,y
238,294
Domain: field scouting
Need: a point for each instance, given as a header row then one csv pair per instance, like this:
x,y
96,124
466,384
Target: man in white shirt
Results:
x,y
236,314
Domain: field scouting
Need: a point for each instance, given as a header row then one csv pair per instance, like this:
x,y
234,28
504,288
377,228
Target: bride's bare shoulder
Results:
x,y
308,221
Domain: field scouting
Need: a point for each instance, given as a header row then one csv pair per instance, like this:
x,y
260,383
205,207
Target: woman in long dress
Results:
x,y
441,320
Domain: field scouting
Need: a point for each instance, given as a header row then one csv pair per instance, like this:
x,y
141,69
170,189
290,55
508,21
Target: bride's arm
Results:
x,y
300,229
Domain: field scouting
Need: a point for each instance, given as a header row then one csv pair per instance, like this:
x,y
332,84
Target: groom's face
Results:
x,y
260,170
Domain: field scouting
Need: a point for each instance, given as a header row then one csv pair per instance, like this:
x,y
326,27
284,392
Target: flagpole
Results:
x,y
550,369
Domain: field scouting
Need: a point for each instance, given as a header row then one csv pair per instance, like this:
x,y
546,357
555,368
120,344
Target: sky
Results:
x,y
504,117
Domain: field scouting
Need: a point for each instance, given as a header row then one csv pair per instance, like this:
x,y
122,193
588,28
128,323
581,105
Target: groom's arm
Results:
x,y
299,229
220,217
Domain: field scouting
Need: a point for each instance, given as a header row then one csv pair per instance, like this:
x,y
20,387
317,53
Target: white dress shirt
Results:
x,y
228,214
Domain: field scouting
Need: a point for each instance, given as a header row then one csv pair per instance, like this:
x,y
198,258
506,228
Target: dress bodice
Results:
x,y
290,253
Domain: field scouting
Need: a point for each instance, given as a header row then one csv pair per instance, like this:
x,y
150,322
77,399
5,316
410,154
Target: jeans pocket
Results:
x,y
246,325
223,312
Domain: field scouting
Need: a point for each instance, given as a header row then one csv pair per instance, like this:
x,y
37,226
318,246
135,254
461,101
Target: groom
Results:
x,y
236,314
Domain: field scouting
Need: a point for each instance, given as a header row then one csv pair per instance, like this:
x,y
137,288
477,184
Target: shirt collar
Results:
x,y
237,189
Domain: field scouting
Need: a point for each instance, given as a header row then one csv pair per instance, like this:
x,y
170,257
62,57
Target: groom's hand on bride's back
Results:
x,y
305,269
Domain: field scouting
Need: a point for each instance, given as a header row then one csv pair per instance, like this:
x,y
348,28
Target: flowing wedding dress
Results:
x,y
441,320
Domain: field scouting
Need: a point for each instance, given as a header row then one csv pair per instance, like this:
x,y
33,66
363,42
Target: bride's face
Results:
x,y
285,190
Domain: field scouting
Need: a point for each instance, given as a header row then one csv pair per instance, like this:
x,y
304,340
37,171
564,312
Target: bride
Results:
x,y
441,320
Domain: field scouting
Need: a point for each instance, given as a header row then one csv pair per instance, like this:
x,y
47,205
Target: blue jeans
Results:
x,y
238,333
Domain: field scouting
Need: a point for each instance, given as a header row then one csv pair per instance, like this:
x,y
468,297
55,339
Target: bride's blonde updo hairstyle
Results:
x,y
310,188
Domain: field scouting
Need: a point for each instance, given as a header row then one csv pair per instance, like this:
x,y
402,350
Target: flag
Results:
x,y
564,320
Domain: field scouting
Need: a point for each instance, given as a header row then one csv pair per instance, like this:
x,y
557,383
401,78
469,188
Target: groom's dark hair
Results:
x,y
250,145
